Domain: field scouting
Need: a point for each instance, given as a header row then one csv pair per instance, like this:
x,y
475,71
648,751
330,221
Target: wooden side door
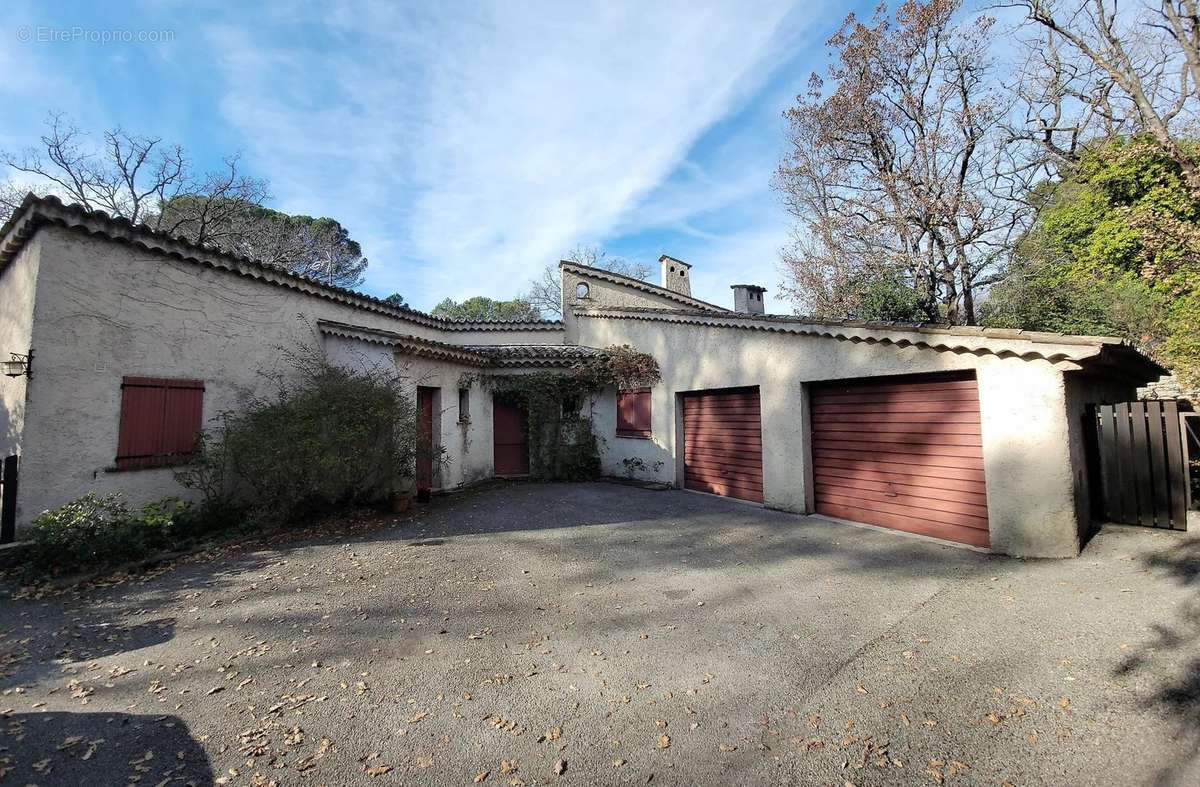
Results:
x,y
510,438
425,441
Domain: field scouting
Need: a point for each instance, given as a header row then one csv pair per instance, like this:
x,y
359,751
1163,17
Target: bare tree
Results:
x,y
895,170
148,182
130,176
1109,70
545,292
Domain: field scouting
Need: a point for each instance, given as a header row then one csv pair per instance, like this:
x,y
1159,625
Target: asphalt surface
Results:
x,y
617,635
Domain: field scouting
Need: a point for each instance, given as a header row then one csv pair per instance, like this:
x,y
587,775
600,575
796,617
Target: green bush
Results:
x,y
97,531
328,436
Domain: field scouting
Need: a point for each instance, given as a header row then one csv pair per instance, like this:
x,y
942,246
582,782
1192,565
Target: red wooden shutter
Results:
x,y
633,413
160,419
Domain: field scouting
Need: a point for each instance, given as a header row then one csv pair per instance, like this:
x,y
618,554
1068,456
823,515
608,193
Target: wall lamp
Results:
x,y
19,366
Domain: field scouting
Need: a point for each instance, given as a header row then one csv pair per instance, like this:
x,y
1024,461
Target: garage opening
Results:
x,y
902,452
722,443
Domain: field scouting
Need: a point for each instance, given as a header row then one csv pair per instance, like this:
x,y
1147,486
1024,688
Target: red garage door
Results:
x,y
904,453
722,443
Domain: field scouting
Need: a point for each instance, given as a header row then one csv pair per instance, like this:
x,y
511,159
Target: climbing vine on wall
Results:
x,y
563,445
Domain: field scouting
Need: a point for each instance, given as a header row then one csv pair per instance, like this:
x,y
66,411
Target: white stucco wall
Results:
x,y
18,283
1029,467
602,294
467,452
106,310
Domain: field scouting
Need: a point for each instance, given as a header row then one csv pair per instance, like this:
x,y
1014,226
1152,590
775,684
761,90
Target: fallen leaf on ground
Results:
x,y
664,741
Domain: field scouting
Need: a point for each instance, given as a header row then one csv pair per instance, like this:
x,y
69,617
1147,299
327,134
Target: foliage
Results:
x,y
318,248
131,176
562,443
635,466
481,308
1115,250
618,365
886,297
1106,70
96,531
893,168
327,436
150,182
545,292
396,299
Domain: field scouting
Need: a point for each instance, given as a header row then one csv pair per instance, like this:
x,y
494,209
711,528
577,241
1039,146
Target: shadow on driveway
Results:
x,y
74,748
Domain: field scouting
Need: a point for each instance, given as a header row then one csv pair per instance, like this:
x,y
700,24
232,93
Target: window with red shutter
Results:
x,y
160,419
633,413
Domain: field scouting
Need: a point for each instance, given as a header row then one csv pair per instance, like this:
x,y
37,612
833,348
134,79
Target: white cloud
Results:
x,y
469,145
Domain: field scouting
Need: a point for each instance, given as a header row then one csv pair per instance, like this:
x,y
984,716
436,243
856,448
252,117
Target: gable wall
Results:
x,y
604,294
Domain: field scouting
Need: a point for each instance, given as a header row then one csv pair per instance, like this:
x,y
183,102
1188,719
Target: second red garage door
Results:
x,y
903,453
722,443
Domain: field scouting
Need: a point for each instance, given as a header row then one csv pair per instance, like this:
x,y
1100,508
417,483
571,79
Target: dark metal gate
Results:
x,y
8,500
1142,467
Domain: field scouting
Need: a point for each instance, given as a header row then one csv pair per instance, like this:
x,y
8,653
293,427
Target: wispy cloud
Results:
x,y
467,145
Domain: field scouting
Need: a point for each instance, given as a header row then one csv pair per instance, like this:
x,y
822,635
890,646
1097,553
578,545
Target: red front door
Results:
x,y
424,440
510,438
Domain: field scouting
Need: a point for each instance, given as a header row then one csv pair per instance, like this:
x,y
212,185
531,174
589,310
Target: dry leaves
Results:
x,y
664,741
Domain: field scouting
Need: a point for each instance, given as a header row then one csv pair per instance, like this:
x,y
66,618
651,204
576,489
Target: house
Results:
x,y
137,339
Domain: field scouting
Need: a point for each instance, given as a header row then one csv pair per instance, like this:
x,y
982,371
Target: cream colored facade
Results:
x,y
99,300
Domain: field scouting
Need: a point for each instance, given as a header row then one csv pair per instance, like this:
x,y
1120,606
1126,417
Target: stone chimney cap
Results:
x,y
754,287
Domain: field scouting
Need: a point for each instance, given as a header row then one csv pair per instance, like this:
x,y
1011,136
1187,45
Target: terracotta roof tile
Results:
x,y
36,212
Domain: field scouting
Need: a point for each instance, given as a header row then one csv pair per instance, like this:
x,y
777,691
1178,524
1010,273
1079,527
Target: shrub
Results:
x,y
96,531
328,436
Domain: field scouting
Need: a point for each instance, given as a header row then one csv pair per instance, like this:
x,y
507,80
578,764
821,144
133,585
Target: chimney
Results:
x,y
676,275
748,299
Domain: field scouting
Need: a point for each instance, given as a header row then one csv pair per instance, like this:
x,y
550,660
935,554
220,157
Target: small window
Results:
x,y
160,420
582,290
570,407
633,413
464,405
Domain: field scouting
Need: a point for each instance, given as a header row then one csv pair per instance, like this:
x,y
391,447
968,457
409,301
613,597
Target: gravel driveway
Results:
x,y
600,634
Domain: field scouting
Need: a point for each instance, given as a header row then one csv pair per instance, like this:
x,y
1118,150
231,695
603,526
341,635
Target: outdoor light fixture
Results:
x,y
19,366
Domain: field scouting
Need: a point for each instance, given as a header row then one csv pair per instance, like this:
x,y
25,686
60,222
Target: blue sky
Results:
x,y
465,145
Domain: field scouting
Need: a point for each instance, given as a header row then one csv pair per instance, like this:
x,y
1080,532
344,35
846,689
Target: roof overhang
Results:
x,y
1091,353
497,356
36,212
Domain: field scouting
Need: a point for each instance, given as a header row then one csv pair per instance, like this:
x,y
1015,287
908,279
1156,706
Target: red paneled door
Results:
x,y
425,441
722,443
903,453
510,439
